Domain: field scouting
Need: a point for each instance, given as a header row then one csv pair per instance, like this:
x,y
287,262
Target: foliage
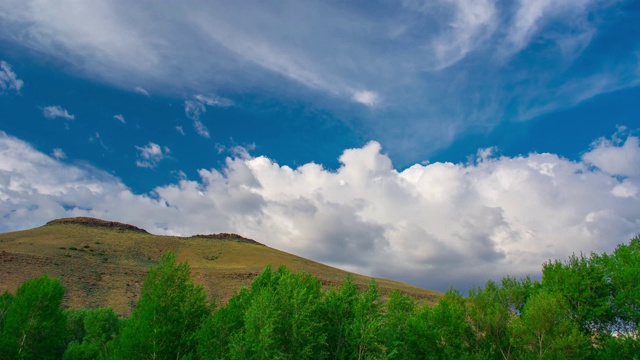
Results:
x,y
585,286
90,331
164,322
546,329
34,324
622,269
277,318
363,334
338,314
396,328
6,299
441,332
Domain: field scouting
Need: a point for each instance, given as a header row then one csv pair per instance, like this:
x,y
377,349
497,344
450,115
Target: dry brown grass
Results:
x,y
104,263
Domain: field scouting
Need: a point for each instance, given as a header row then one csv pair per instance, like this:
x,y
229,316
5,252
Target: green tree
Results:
x,y
35,326
279,318
622,347
492,308
364,332
623,269
6,299
164,322
395,331
441,332
75,324
490,313
93,332
547,330
584,284
219,328
338,312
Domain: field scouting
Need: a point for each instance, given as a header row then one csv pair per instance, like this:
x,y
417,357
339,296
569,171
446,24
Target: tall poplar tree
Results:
x,y
164,322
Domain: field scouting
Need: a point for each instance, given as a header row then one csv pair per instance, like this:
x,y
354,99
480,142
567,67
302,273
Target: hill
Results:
x,y
103,263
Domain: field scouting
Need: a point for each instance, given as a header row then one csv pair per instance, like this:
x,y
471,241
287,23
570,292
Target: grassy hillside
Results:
x,y
103,263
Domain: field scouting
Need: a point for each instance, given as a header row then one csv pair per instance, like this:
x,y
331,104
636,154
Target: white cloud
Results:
x,y
180,130
214,101
98,140
194,108
200,128
431,225
149,156
8,79
531,17
365,97
55,111
120,118
142,91
58,154
442,67
616,156
472,24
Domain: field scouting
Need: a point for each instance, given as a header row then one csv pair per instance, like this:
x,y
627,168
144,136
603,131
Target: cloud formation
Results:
x,y
8,79
56,111
365,97
417,64
120,118
198,105
149,156
616,156
431,225
142,91
59,154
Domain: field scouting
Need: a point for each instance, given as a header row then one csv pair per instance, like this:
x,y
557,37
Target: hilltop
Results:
x,y
103,263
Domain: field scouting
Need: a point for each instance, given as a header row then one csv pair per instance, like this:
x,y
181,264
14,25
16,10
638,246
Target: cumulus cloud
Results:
x,y
616,156
149,156
56,111
431,225
120,118
198,105
8,79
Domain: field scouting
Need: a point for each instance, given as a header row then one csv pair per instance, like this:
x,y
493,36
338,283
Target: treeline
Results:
x,y
587,307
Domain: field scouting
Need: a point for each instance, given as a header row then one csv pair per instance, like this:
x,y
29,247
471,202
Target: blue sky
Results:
x,y
457,140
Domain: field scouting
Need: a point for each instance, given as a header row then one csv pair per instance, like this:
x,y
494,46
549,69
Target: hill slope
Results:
x,y
103,263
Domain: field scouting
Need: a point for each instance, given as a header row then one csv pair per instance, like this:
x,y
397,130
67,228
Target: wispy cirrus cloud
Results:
x,y
56,111
142,91
195,107
8,79
431,225
426,71
120,118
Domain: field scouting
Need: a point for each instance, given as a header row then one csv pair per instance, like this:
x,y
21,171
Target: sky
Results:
x,y
435,142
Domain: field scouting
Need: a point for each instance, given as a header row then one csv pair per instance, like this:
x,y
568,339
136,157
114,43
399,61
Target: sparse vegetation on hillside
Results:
x,y
97,223
102,264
